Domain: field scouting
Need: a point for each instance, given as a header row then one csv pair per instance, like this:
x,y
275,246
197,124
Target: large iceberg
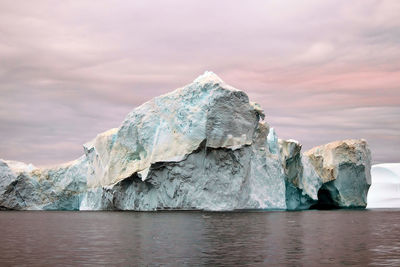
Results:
x,y
203,146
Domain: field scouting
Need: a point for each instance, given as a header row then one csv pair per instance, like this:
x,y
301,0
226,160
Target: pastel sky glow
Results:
x,y
322,70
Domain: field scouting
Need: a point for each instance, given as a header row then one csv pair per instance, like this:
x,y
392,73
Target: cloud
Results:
x,y
322,70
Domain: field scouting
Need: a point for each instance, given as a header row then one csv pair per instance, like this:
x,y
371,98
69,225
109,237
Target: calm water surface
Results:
x,y
308,238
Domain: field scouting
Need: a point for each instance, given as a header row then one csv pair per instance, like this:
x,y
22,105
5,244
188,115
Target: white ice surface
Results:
x,y
385,188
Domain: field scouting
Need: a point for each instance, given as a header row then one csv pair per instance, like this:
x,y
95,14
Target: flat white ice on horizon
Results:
x,y
385,189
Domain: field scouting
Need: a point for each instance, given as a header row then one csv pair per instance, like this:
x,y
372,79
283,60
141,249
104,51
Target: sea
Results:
x,y
196,238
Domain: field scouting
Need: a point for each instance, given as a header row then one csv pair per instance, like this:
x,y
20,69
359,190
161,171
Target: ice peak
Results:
x,y
208,77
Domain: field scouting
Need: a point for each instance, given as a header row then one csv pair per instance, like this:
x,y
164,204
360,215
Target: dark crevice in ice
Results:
x,y
325,200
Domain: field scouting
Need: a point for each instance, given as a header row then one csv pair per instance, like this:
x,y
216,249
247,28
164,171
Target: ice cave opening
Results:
x,y
325,200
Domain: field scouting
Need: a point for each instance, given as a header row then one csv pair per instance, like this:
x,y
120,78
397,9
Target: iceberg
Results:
x,y
204,146
25,187
345,170
385,188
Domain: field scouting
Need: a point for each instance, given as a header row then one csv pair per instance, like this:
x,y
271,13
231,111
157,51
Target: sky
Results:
x,y
321,70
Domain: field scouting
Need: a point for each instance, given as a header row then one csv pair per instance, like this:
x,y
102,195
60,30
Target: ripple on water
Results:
x,y
307,238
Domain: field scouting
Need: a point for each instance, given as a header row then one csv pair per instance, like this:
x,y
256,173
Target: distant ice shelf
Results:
x,y
385,188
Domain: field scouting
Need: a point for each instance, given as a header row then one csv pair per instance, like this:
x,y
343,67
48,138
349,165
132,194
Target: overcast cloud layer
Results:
x,y
322,70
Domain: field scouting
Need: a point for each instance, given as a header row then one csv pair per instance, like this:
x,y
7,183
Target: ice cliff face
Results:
x,y
24,187
170,127
202,146
335,163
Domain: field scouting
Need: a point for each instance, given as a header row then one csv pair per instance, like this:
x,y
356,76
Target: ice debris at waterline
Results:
x,y
202,146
